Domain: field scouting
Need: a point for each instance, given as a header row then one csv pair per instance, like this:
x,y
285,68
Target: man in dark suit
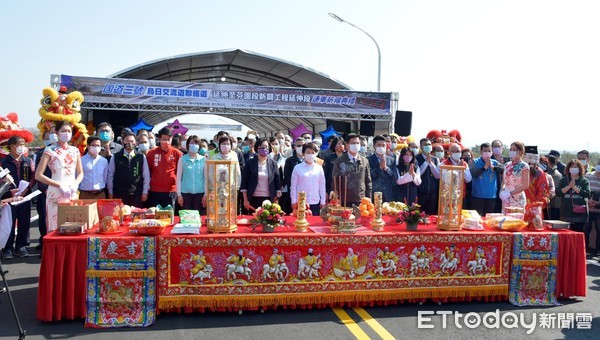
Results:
x,y
383,170
354,171
261,179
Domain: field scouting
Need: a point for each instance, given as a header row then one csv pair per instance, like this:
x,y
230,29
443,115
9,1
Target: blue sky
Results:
x,y
513,70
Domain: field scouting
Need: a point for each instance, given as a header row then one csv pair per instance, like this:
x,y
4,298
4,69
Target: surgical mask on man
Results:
x,y
152,143
53,138
583,161
354,148
143,147
415,151
104,136
439,154
363,149
393,146
203,151
193,148
94,150
574,171
20,149
380,150
298,150
512,154
245,148
427,148
486,154
497,151
456,156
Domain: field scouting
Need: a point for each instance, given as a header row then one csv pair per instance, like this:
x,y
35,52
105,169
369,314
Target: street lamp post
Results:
x,y
376,44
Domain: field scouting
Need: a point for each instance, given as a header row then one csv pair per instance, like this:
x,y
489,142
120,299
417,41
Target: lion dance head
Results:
x,y
9,127
445,139
57,106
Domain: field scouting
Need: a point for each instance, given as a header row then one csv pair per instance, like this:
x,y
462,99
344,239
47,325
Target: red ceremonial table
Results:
x,y
251,270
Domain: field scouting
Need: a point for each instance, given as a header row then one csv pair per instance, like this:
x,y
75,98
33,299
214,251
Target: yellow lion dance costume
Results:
x,y
57,106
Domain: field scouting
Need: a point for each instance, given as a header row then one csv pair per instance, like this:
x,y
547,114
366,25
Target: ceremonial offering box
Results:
x,y
165,214
82,211
189,222
450,197
72,228
221,209
556,224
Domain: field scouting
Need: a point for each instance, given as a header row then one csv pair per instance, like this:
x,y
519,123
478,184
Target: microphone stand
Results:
x,y
4,186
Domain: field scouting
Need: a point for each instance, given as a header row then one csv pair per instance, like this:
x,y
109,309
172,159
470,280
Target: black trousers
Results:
x,y
40,205
22,214
255,202
193,202
428,202
131,200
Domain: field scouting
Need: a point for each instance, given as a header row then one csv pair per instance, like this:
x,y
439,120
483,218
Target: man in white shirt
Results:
x,y
95,171
456,160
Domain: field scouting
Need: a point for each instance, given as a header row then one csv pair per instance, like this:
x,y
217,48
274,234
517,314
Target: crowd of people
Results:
x,y
143,170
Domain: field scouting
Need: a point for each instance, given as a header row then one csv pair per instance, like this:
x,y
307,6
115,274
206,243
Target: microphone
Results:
x,y
3,174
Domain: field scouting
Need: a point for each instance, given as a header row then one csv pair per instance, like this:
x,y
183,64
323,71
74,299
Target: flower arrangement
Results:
x,y
269,215
411,214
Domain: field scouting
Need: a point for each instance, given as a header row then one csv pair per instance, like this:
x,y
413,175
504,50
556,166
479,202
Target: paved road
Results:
x,y
399,321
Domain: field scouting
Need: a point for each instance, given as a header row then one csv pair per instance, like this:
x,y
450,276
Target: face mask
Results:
x,y
104,136
152,143
281,141
439,154
354,148
143,147
380,150
234,145
263,152
427,148
583,161
415,150
486,154
407,158
64,136
47,142
20,150
165,143
225,148
193,148
363,149
245,148
574,171
202,151
53,138
512,154
467,159
456,156
298,150
310,157
93,150
393,146
497,151
308,140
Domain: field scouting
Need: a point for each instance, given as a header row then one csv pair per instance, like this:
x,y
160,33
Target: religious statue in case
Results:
x,y
450,197
221,207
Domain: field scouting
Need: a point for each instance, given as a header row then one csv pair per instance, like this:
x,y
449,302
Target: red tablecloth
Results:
x,y
62,282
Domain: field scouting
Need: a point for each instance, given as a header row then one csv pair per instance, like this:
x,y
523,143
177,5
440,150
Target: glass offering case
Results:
x,y
450,197
222,191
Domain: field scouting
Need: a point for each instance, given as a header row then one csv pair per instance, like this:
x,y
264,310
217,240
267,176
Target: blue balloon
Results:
x,y
330,131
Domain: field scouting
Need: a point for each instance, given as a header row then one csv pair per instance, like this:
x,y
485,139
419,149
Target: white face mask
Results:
x,y
143,147
486,154
583,161
225,148
439,154
354,148
20,150
456,156
415,151
94,150
512,154
53,138
497,151
298,150
234,145
310,157
393,146
64,136
574,171
380,150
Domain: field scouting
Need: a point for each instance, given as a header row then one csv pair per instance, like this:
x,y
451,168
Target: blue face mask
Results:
x,y
427,148
202,151
362,149
245,148
104,136
193,148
